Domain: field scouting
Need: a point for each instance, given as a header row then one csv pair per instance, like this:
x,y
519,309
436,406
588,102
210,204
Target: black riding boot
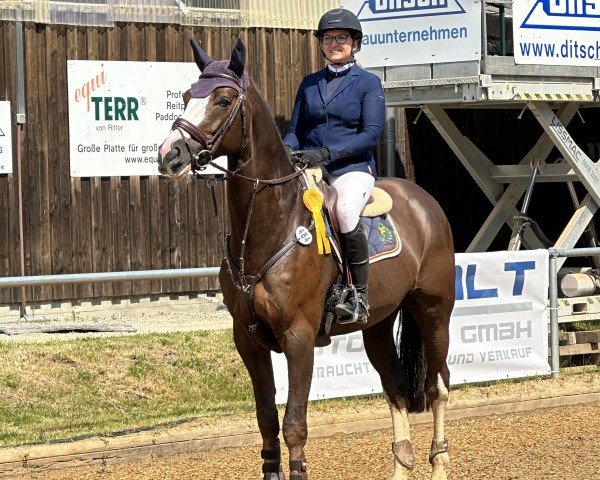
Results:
x,y
355,307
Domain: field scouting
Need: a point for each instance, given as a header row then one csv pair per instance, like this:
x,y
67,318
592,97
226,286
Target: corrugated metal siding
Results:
x,y
302,14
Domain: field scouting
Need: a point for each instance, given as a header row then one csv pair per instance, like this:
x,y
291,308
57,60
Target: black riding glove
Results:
x,y
288,151
312,157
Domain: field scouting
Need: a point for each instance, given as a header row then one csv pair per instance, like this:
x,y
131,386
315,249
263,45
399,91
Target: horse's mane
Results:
x,y
258,100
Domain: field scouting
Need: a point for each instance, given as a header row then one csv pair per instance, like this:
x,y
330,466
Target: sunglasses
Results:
x,y
340,39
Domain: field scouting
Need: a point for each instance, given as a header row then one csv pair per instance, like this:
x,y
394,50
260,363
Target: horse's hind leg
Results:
x,y
432,314
381,350
258,363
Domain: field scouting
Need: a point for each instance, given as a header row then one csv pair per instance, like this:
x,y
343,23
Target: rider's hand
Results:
x,y
312,157
288,151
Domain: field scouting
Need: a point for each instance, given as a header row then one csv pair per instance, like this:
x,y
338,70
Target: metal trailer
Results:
x,y
554,94
497,82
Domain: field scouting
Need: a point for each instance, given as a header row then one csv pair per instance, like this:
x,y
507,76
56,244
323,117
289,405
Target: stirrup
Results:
x,y
347,313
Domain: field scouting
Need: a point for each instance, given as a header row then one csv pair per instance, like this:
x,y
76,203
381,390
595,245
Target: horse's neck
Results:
x,y
277,210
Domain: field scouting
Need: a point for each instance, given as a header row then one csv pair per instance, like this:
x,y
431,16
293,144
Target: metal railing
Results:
x,y
37,280
107,277
70,278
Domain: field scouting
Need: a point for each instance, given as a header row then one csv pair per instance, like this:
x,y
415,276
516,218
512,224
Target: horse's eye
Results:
x,y
224,102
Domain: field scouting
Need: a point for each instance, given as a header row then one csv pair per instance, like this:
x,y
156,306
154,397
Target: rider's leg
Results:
x,y
353,192
357,254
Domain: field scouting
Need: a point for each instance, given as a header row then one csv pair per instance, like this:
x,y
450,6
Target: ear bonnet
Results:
x,y
222,73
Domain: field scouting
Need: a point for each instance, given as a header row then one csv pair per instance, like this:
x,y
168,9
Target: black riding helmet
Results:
x,y
340,19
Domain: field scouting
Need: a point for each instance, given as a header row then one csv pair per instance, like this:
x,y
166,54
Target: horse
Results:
x,y
275,287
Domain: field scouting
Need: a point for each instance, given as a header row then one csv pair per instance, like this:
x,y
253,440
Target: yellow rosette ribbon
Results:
x,y
313,199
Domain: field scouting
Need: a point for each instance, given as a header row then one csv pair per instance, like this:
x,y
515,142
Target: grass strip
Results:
x,y
63,389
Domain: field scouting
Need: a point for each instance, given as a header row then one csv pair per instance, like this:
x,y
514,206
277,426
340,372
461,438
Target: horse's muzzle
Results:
x,y
175,161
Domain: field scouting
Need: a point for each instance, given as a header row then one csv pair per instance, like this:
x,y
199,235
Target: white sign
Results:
x,y
341,369
6,160
499,327
408,32
557,32
120,112
498,330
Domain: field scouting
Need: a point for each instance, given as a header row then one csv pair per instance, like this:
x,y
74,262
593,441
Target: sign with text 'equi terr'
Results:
x,y
119,113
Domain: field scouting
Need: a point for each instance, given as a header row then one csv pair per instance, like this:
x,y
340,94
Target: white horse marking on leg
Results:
x,y
401,433
441,460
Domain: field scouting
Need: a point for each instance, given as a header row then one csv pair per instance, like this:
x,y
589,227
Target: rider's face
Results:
x,y
337,53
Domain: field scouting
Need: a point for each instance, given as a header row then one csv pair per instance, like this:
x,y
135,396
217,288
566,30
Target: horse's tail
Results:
x,y
412,361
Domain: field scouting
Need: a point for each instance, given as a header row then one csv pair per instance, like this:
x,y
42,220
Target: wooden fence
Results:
x,y
100,224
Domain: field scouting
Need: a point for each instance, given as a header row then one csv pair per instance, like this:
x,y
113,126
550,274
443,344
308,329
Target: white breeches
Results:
x,y
353,192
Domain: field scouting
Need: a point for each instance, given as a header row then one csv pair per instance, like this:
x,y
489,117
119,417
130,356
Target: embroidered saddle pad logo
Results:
x,y
384,241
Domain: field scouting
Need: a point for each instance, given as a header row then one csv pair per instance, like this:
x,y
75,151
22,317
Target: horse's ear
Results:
x,y
238,58
201,58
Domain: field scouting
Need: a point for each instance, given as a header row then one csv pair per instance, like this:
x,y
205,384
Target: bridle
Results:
x,y
243,282
211,144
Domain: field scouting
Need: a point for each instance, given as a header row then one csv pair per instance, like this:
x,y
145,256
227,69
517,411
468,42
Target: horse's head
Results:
x,y
214,104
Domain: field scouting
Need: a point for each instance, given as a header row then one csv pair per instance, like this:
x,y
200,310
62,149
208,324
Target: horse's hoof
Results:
x,y
439,464
401,474
439,473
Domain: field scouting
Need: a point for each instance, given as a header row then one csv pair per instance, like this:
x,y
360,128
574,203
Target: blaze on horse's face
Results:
x,y
208,114
208,105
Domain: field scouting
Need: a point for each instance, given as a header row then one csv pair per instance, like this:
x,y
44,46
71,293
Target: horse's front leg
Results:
x,y
258,363
298,347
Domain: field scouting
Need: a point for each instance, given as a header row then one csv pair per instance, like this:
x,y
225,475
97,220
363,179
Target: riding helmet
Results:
x,y
342,19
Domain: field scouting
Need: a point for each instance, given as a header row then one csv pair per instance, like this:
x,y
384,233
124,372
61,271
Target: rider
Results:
x,y
337,120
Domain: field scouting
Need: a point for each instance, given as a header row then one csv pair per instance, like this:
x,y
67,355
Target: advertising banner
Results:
x,y
120,112
498,330
499,326
557,32
409,32
6,162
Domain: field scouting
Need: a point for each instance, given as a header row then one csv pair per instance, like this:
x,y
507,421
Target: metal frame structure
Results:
x,y
497,82
555,256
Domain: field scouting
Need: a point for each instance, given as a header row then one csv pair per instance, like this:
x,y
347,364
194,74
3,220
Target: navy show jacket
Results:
x,y
349,124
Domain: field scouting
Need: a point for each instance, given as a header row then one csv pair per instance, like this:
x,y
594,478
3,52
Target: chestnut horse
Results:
x,y
275,287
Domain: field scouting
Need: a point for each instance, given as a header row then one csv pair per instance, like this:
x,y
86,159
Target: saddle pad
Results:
x,y
384,241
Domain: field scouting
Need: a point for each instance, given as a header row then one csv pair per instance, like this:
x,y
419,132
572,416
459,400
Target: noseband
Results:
x,y
211,144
